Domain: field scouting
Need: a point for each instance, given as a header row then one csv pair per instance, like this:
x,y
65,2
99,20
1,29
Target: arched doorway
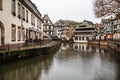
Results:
x,y
2,34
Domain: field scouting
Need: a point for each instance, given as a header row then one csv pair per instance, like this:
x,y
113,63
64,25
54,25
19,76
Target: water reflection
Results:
x,y
83,62
26,69
71,62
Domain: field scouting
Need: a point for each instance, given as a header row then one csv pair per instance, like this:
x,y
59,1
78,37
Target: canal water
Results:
x,y
70,62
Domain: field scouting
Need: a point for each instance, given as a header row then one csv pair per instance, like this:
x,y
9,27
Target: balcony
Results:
x,y
48,24
84,31
48,30
88,35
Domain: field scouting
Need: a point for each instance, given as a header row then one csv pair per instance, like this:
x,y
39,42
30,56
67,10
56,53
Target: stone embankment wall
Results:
x,y
115,45
98,42
26,53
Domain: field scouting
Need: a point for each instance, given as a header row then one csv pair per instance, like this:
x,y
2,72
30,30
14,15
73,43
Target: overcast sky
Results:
x,y
76,10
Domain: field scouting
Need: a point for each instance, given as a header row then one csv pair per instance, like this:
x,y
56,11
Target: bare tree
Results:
x,y
106,7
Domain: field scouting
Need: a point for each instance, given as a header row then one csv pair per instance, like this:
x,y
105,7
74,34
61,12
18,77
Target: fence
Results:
x,y
26,45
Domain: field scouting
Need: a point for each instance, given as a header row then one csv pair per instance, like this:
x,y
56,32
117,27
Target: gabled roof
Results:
x,y
89,22
32,7
46,18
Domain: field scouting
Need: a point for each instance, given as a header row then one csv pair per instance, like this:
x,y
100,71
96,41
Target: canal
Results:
x,y
70,62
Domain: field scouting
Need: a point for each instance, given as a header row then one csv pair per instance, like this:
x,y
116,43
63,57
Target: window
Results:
x,y
13,8
19,10
1,4
23,13
32,20
38,23
46,21
49,27
87,38
19,34
26,15
82,38
76,38
13,32
49,33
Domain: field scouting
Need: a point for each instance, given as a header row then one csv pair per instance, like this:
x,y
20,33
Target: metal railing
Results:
x,y
9,47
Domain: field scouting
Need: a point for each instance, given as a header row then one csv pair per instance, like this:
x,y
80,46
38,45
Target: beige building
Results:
x,y
67,33
20,20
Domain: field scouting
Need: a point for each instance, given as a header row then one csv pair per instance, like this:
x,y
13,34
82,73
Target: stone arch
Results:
x,y
2,33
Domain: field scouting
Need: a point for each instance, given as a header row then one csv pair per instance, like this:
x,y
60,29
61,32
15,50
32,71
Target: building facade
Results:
x,y
20,20
108,26
48,28
100,32
116,29
112,28
84,32
82,48
66,33
58,31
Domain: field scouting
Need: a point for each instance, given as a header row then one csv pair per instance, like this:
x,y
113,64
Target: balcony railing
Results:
x,y
48,30
84,31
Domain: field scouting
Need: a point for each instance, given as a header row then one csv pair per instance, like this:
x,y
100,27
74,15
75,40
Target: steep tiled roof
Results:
x,y
31,6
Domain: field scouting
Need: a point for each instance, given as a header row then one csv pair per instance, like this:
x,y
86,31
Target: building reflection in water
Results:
x,y
25,70
71,62
84,50
93,60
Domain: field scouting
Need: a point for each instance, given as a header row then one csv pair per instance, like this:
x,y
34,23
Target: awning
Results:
x,y
31,28
35,29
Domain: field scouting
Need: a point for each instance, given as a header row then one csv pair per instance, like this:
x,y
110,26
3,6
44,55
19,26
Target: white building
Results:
x,y
57,31
116,29
82,47
20,20
112,28
84,32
